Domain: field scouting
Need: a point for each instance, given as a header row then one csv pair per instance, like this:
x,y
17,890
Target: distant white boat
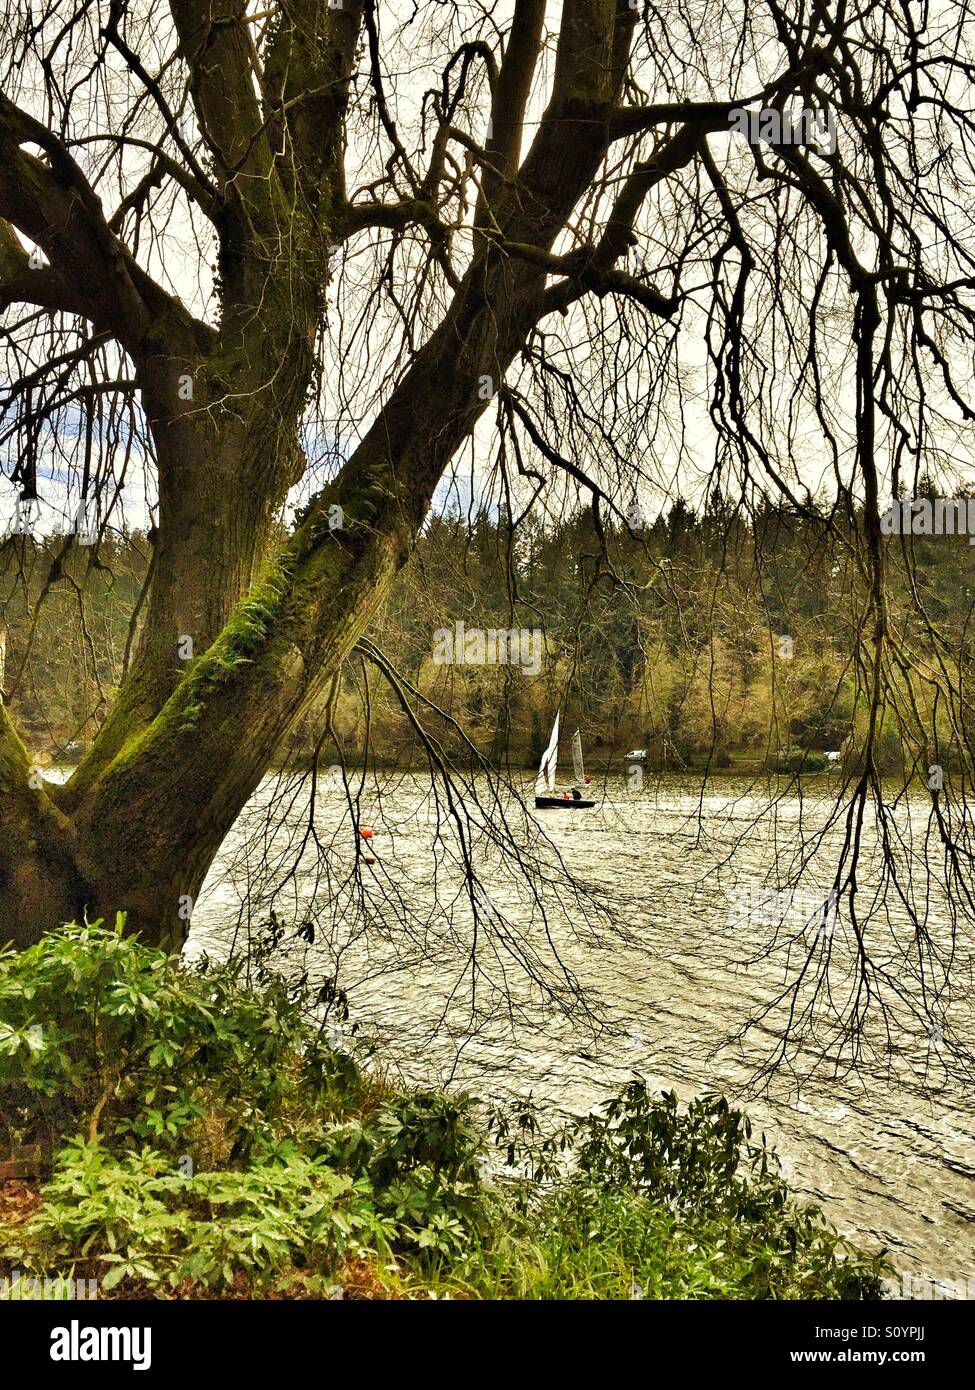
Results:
x,y
578,766
545,781
636,755
546,797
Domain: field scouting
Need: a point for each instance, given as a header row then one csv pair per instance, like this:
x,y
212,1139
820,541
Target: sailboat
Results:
x,y
545,792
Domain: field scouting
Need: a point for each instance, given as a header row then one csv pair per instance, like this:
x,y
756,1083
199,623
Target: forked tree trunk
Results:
x,y
138,825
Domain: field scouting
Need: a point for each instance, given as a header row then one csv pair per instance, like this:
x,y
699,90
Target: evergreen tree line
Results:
x,y
705,637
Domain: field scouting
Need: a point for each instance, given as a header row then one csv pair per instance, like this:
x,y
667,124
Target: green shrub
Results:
x,y
103,1035
701,1156
137,1216
108,1041
699,1165
584,1242
422,1155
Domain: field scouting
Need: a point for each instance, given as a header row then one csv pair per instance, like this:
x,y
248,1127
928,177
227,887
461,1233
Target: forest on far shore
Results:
x,y
706,638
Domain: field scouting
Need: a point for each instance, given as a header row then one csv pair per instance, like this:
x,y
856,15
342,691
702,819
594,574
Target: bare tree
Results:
x,y
418,217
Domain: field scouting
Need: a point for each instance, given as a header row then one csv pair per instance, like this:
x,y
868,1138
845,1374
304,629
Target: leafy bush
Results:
x,y
422,1154
113,1044
583,1241
104,1035
699,1165
701,1156
664,1201
138,1217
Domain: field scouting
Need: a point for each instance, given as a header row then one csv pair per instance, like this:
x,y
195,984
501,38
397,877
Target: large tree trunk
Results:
x,y
138,825
146,828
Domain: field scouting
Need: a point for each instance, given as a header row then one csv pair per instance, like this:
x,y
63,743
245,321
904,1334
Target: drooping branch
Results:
x,y
53,204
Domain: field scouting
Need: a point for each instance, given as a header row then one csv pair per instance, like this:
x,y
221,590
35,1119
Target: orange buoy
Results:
x,y
366,832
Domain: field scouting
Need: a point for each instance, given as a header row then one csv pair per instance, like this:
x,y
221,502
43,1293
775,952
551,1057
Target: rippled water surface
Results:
x,y
670,977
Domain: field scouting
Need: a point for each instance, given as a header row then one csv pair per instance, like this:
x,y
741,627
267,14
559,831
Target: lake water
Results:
x,y
642,938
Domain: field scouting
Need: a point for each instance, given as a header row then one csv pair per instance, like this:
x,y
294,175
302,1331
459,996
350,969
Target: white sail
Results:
x,y
578,767
545,781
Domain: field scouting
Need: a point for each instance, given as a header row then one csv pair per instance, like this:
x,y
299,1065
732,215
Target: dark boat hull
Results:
x,y
561,803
